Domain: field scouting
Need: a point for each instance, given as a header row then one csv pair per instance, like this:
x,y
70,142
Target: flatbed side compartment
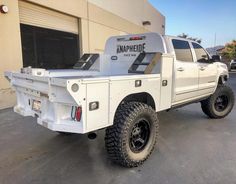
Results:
x,y
109,93
120,88
166,86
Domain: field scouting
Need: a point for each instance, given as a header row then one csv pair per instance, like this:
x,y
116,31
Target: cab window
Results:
x,y
201,54
182,50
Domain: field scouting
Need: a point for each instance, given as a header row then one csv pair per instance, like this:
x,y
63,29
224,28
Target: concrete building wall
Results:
x,y
98,20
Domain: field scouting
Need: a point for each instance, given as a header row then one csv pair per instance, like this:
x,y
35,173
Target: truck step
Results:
x,y
86,61
141,64
137,71
152,61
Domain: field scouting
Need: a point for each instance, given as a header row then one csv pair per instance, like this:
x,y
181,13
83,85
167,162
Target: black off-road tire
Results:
x,y
118,138
209,105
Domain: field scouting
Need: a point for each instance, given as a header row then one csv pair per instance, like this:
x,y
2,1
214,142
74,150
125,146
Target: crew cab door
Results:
x,y
207,70
186,72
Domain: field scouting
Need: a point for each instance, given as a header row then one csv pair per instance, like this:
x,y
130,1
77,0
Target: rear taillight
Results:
x,y
76,113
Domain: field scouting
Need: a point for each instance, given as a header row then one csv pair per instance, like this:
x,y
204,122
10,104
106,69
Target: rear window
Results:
x,y
182,50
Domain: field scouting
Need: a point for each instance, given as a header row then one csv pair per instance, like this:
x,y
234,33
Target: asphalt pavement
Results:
x,y
192,149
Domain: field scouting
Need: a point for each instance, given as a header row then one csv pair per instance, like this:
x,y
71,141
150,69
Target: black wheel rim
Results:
x,y
139,135
221,103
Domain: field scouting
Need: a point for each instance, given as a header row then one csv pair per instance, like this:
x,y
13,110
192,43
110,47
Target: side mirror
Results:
x,y
216,58
205,59
205,56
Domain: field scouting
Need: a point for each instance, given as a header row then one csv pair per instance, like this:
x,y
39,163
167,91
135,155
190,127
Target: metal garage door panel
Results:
x,y
42,17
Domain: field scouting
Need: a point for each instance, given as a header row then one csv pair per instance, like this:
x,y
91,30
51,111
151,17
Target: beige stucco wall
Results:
x,y
135,11
98,20
10,50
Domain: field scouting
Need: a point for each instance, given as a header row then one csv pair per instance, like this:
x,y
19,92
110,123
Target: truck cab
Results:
x,y
195,73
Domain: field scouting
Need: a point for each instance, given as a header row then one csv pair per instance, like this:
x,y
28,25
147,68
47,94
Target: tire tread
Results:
x,y
114,141
206,105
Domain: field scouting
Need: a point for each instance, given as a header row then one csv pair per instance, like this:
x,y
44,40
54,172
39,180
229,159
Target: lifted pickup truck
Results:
x,y
122,89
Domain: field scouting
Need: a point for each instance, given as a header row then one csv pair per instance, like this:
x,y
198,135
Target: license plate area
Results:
x,y
36,105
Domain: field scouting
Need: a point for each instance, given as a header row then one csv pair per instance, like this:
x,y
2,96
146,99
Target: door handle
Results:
x,y
180,69
202,68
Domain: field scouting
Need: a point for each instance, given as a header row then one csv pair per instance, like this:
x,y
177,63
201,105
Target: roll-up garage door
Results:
x,y
34,15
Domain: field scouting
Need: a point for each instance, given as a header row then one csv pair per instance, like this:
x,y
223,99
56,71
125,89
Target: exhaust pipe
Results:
x,y
92,135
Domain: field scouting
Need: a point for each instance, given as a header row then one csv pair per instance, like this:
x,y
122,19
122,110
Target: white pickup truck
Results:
x,y
122,89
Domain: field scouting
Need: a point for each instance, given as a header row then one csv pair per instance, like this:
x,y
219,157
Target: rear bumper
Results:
x,y
56,117
63,126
